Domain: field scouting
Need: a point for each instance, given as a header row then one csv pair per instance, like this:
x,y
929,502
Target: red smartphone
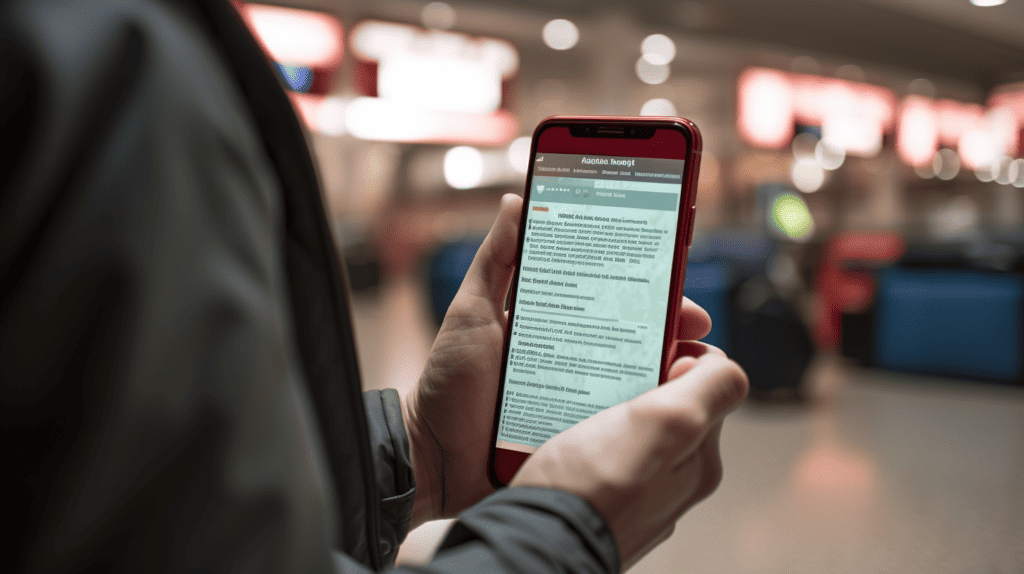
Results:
x,y
598,285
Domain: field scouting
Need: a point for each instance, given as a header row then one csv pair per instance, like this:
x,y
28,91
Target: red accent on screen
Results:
x,y
665,144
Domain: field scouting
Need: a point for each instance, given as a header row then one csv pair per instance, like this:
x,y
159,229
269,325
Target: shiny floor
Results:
x,y
877,472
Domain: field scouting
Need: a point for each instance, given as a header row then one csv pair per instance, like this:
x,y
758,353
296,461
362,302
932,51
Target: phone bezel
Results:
x,y
604,138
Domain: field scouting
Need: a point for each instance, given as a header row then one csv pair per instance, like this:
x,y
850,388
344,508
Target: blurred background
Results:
x,y
859,239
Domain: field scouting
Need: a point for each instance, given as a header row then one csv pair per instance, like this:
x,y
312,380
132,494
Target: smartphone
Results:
x,y
598,283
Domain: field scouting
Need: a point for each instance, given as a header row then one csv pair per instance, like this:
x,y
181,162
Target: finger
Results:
x,y
694,321
490,273
680,367
706,393
696,349
711,455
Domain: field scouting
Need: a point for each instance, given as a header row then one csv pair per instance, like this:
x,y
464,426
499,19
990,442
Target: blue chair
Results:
x,y
444,273
707,284
959,323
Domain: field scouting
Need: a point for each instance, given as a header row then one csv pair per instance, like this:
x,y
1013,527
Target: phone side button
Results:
x,y
689,224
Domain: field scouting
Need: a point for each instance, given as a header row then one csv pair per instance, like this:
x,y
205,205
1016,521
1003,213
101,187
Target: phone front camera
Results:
x,y
632,131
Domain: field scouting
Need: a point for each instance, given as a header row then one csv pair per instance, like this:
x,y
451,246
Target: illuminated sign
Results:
x,y
306,46
430,85
852,115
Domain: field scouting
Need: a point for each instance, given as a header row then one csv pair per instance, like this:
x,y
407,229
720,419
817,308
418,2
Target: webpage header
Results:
x,y
609,167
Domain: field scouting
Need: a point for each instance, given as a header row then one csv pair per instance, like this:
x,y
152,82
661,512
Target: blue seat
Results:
x,y
707,284
445,270
965,324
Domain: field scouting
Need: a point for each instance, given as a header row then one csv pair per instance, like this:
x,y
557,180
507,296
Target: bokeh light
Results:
x,y
651,73
829,155
790,215
658,107
765,108
918,137
438,15
331,117
946,164
658,49
295,36
808,176
560,34
803,145
463,167
1016,171
1001,170
519,154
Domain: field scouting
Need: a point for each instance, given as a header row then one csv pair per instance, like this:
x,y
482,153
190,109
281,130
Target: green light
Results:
x,y
789,214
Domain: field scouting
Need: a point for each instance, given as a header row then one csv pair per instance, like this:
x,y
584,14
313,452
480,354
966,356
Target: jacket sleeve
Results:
x,y
392,465
513,530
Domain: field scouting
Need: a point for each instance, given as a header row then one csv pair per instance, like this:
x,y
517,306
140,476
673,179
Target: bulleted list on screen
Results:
x,y
591,298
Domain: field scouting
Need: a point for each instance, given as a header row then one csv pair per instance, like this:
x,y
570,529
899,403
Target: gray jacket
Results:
x,y
179,383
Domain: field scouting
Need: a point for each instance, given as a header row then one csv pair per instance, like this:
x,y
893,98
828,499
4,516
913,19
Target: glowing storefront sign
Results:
x,y
852,115
295,37
423,85
307,49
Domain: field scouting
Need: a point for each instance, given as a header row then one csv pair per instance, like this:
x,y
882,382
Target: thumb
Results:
x,y
490,273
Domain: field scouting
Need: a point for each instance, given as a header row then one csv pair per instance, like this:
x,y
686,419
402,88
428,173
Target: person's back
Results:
x,y
152,397
180,390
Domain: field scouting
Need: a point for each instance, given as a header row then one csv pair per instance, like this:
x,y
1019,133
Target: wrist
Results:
x,y
427,469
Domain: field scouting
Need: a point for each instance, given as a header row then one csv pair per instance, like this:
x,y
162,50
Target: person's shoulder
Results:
x,y
74,44
139,79
66,42
89,57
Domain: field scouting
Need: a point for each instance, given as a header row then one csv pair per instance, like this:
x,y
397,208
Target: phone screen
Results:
x,y
589,318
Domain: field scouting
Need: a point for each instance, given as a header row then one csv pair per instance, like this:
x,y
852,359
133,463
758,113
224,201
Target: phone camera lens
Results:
x,y
632,131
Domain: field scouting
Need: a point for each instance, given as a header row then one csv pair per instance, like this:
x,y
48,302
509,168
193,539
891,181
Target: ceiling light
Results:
x,y
438,15
828,154
804,144
946,164
807,175
519,154
1015,172
984,173
464,167
1001,170
658,49
331,116
651,73
658,107
560,34
987,3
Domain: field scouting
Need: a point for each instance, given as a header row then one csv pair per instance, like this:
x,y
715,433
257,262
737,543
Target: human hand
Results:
x,y
643,463
450,411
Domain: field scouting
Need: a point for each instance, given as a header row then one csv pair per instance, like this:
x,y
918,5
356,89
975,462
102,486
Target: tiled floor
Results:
x,y
878,473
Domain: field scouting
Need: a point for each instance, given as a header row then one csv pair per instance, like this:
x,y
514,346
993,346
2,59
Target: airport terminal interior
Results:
x,y
859,241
